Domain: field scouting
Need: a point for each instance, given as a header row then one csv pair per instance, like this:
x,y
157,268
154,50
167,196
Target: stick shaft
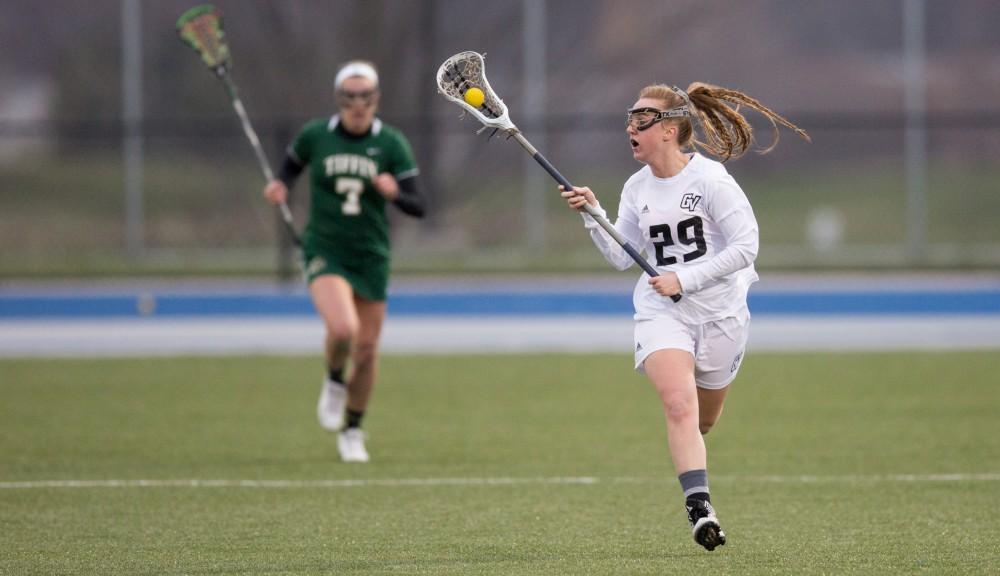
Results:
x,y
265,167
251,134
601,220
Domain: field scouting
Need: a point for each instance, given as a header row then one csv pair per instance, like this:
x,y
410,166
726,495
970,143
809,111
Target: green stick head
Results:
x,y
201,29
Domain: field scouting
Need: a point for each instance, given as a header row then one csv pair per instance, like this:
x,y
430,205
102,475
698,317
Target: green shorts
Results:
x,y
368,274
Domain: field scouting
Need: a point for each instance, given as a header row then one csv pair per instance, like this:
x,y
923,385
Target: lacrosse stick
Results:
x,y
466,72
201,29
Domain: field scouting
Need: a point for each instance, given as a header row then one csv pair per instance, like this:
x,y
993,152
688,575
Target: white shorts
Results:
x,y
717,346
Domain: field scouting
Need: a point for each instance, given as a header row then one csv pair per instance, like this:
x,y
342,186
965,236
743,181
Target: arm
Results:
x,y
296,159
404,193
277,190
399,184
626,225
739,227
410,199
290,171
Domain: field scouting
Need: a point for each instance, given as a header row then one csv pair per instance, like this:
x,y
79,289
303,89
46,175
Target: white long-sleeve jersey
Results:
x,y
697,224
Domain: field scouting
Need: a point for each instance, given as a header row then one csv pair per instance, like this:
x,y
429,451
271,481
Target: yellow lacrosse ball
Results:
x,y
475,97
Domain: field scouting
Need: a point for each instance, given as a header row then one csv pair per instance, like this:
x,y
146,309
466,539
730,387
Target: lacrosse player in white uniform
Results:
x,y
698,229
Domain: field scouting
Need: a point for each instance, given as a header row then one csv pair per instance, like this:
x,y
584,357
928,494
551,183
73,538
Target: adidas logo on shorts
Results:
x,y
736,362
645,209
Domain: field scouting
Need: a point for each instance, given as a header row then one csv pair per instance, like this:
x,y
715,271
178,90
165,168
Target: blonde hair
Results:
x,y
727,134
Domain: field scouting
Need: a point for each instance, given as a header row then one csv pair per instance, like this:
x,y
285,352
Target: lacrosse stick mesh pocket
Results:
x,y
201,28
464,71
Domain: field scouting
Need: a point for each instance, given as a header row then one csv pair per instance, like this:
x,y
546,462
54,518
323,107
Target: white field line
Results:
x,y
495,481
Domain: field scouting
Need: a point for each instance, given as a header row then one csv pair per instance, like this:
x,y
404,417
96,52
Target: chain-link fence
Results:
x,y
855,197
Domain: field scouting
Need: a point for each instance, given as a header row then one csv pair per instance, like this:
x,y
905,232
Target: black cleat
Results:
x,y
704,525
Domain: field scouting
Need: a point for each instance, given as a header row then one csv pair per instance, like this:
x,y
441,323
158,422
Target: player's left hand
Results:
x,y
386,185
666,284
578,196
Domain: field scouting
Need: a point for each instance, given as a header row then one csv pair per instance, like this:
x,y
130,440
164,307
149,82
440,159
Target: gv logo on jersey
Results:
x,y
690,201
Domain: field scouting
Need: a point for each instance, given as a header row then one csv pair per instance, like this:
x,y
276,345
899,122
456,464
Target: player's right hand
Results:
x,y
578,197
276,192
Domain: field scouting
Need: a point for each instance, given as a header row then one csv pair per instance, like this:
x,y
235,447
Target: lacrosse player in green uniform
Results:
x,y
356,165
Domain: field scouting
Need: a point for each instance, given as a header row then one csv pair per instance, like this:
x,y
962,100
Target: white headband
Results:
x,y
353,69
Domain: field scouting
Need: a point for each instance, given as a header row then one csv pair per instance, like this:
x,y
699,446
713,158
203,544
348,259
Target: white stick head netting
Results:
x,y
465,71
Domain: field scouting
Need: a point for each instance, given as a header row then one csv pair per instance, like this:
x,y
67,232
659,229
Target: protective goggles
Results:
x,y
364,97
644,118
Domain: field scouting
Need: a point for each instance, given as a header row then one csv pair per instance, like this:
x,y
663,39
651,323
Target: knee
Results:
x,y
679,407
341,331
364,352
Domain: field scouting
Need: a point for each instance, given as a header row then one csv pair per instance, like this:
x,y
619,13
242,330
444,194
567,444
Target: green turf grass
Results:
x,y
807,468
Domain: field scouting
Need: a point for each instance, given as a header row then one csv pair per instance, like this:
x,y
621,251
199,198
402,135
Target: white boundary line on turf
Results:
x,y
356,483
807,479
497,481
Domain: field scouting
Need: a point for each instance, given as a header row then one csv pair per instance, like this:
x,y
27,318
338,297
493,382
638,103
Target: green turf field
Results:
x,y
822,464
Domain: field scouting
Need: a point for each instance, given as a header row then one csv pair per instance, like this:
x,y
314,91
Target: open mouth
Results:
x,y
633,142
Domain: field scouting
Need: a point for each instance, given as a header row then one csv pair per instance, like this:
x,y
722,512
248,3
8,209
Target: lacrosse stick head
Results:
x,y
467,70
201,29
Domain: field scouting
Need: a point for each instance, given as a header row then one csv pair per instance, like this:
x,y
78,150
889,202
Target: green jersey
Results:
x,y
347,215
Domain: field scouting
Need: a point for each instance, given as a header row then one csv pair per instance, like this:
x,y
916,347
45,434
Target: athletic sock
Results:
x,y
699,496
694,483
337,375
354,418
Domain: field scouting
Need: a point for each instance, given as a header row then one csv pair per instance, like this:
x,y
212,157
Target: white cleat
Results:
x,y
332,401
351,443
